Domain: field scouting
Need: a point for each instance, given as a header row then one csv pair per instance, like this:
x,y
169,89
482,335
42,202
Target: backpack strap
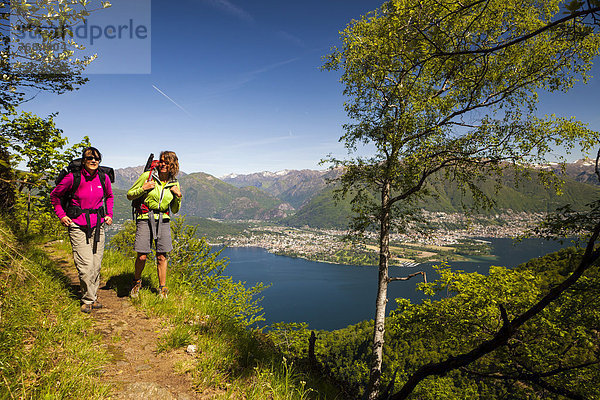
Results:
x,y
100,213
102,177
68,197
76,181
137,205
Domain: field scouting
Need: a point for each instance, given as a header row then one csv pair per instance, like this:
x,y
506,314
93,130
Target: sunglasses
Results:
x,y
90,158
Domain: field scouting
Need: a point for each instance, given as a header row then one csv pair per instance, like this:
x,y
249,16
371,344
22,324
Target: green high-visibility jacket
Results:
x,y
158,199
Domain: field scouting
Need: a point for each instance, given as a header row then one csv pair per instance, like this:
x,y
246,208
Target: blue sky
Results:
x,y
231,86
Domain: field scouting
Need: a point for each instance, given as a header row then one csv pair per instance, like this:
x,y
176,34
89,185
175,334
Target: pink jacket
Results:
x,y
89,195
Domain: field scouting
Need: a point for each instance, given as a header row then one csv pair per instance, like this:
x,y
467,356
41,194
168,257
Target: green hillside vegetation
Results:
x,y
527,196
206,196
122,206
45,352
211,229
441,326
322,212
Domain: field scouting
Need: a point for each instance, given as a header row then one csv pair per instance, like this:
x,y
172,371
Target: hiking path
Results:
x,y
136,369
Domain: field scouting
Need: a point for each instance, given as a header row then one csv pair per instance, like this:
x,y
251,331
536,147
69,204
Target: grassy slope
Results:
x,y
46,350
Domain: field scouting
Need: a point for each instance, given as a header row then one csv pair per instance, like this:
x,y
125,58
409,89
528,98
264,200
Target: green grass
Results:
x,y
233,360
47,348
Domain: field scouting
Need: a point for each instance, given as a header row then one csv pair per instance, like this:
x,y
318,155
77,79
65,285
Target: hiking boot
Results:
x,y
97,305
163,292
86,308
135,290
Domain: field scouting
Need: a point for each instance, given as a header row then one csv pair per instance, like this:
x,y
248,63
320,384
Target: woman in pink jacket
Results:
x,y
88,207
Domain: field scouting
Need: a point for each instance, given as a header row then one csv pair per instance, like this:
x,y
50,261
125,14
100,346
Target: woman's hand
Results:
x,y
148,185
175,190
108,220
66,221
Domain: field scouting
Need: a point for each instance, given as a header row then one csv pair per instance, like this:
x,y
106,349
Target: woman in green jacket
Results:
x,y
159,193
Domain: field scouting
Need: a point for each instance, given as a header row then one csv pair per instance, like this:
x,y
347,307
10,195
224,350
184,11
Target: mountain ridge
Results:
x,y
299,197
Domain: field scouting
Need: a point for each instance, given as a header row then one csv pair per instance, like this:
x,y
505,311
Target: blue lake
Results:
x,y
332,296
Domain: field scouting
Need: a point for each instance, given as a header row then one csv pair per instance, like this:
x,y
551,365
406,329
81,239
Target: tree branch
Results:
x,y
523,38
590,257
405,278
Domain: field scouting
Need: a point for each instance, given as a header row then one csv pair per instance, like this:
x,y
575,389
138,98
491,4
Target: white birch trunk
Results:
x,y
380,307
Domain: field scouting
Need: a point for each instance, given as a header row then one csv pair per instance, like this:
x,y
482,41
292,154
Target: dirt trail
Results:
x,y
137,371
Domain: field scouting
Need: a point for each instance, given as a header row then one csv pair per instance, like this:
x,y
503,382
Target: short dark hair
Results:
x,y
95,152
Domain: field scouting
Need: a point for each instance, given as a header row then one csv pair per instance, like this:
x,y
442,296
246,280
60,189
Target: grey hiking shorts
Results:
x,y
144,238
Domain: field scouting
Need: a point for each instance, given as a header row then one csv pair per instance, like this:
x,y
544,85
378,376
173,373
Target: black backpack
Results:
x,y
74,167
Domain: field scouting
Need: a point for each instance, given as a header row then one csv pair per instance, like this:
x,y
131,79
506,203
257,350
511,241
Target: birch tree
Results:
x,y
464,117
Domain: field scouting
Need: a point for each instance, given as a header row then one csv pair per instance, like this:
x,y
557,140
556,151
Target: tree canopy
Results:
x,y
37,145
577,18
38,53
48,62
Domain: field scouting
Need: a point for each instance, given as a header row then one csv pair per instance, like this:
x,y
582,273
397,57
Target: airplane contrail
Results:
x,y
172,101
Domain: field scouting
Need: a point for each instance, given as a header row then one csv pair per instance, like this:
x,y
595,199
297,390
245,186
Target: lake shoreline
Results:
x,y
332,296
394,261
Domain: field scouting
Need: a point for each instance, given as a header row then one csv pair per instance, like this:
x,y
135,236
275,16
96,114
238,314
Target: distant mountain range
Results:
x,y
581,171
125,177
209,197
302,197
291,186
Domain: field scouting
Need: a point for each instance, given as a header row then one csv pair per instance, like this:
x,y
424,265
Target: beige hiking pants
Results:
x,y
87,263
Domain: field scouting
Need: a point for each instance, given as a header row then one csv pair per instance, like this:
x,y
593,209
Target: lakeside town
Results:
x,y
450,237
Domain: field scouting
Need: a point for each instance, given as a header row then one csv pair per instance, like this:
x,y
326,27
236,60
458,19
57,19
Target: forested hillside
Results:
x,y
557,348
207,196
525,195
